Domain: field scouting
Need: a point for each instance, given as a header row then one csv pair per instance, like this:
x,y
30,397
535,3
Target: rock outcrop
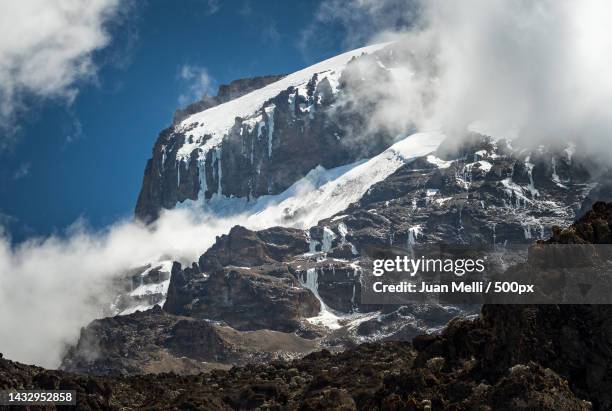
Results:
x,y
155,341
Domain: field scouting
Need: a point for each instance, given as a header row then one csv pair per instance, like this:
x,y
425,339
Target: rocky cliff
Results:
x,y
258,137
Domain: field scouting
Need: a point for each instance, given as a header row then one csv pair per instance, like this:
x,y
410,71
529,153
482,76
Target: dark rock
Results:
x,y
255,298
155,341
225,93
246,248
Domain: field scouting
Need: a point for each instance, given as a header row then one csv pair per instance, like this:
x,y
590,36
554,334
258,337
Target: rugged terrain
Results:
x,y
315,191
275,307
512,357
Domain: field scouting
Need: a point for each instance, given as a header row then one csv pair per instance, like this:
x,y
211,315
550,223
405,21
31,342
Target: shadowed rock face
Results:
x,y
245,248
241,280
246,299
155,341
482,193
573,340
297,132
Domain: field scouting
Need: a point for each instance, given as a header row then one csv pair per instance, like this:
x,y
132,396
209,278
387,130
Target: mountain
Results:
x,y
258,143
312,188
511,357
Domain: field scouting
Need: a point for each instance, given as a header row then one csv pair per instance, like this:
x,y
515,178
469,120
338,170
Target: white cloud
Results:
x,y
536,70
197,83
51,287
358,21
46,49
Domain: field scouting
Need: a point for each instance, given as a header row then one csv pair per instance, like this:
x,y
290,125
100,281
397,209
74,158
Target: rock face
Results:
x,y
241,280
246,299
155,341
290,127
548,357
243,247
225,93
483,194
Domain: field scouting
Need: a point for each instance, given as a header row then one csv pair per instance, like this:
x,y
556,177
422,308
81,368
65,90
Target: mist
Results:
x,y
51,287
537,72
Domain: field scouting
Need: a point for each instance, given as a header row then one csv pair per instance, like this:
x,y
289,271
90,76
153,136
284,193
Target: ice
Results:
x,y
314,203
217,121
328,238
531,187
321,193
438,162
270,113
326,317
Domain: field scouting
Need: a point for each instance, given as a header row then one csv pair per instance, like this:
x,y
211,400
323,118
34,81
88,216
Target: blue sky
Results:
x,y
85,159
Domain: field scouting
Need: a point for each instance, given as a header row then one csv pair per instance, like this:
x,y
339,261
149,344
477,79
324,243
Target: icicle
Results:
x,y
219,171
328,238
413,234
312,244
270,114
202,175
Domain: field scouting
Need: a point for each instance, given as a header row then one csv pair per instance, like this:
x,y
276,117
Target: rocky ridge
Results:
x,y
546,357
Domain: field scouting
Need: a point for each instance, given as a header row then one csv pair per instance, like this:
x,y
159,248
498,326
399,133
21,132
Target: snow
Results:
x,y
531,187
484,165
555,177
321,193
153,288
144,290
570,151
348,185
438,162
343,230
142,307
511,188
327,317
218,121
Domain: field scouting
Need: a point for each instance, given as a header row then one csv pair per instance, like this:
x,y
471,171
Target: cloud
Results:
x,y
536,71
6,221
270,34
74,130
246,9
46,49
212,6
197,83
51,287
22,171
358,21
